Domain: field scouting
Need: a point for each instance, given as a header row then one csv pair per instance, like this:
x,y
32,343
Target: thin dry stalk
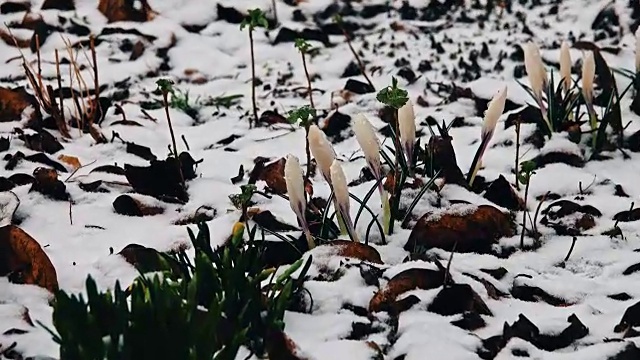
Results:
x,y
59,78
355,55
90,107
39,62
44,96
306,73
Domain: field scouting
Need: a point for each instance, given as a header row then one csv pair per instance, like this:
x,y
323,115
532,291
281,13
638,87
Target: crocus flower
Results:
x,y
322,151
588,75
565,66
341,193
535,69
407,126
537,77
491,116
369,143
295,190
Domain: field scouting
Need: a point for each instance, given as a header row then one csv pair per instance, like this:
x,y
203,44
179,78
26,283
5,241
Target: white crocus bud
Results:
x,y
366,136
295,190
588,75
491,116
322,151
565,66
341,193
494,110
535,69
638,50
407,126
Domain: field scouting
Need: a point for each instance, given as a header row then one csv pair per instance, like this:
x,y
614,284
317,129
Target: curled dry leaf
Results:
x,y
24,261
407,280
71,161
272,174
13,102
47,183
41,141
135,206
458,299
280,346
356,250
147,259
6,37
475,229
124,10
501,193
59,4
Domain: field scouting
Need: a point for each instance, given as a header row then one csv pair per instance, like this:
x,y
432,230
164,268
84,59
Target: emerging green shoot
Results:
x,y
393,96
304,115
302,45
255,18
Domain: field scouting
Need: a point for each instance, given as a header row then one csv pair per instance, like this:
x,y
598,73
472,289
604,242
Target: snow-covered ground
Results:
x,y
80,238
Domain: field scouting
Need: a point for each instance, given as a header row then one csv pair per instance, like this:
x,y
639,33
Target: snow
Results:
x,y
81,245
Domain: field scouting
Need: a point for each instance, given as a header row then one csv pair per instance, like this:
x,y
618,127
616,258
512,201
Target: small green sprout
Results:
x,y
304,115
225,101
242,201
180,100
527,169
393,96
302,45
255,19
165,85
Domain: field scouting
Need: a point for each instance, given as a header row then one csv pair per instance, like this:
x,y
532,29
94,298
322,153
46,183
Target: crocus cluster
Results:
x,y
331,171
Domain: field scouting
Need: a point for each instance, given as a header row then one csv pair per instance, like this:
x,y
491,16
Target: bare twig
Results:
x,y
59,78
148,116
76,170
363,70
447,274
573,244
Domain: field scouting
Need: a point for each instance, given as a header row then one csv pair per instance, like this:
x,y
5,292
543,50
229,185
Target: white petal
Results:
x,y
565,65
535,68
588,75
494,110
407,123
295,185
366,137
339,182
321,150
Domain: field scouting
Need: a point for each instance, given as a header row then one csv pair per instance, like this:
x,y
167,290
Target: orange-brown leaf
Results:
x,y
22,258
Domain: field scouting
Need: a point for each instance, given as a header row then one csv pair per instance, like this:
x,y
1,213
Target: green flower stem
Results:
x,y
341,223
593,123
386,211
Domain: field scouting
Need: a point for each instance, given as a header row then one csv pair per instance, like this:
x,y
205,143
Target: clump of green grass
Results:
x,y
205,309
